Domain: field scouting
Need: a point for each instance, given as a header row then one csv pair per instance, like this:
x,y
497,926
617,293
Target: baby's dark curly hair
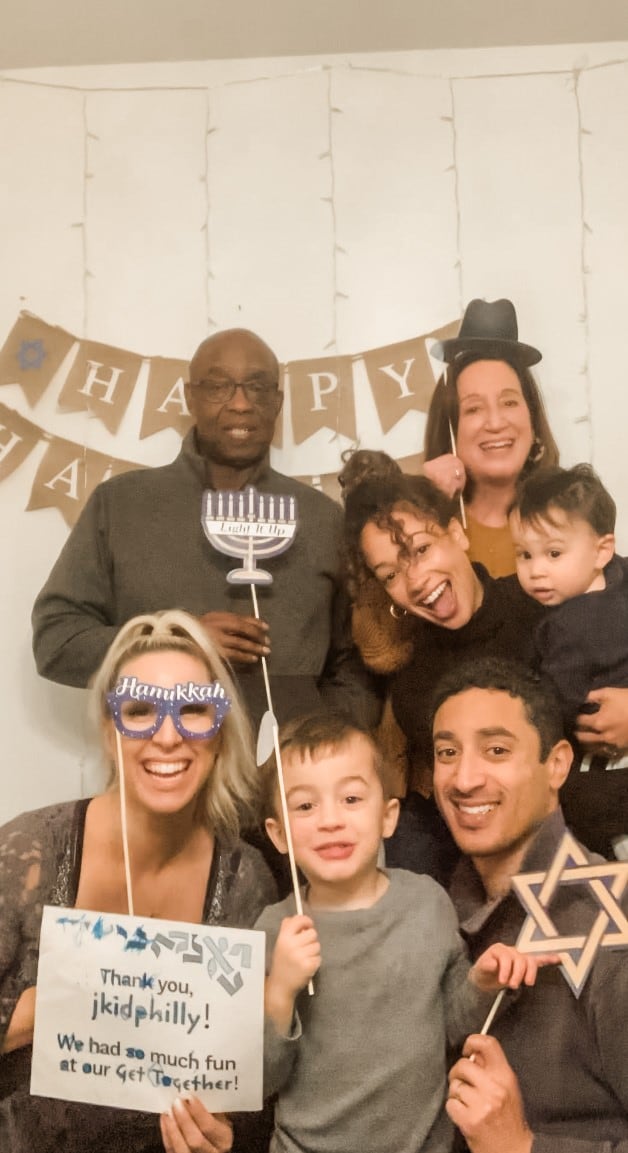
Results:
x,y
360,464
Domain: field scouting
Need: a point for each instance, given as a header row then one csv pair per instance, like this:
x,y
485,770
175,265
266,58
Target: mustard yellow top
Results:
x,y
491,546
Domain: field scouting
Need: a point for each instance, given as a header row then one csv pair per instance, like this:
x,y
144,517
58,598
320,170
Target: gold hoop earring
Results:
x,y
396,613
537,452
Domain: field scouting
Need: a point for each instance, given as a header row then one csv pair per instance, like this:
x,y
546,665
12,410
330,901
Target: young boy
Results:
x,y
360,1067
563,524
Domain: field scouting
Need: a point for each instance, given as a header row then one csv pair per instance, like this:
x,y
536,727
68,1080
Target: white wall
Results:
x,y
332,204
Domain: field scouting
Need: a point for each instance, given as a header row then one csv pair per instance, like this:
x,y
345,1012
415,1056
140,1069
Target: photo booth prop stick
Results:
x,y
463,515
124,825
253,526
605,883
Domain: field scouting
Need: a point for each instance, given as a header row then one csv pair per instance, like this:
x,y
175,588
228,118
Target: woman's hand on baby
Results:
x,y
504,967
296,958
606,729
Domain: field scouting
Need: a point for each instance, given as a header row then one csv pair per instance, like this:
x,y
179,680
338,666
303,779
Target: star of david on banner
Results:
x,y
606,883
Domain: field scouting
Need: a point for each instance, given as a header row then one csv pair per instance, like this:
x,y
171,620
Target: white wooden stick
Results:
x,y
452,437
497,1002
493,1010
282,787
125,837
269,700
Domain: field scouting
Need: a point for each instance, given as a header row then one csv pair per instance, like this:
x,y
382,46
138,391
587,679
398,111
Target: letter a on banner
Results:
x,y
67,476
165,405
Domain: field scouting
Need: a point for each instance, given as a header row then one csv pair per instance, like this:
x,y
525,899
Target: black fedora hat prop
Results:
x,y
489,329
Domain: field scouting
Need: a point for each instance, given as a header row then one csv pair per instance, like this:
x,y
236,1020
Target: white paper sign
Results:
x,y
132,1011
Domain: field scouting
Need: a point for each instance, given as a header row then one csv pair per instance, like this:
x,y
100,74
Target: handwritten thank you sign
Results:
x,y
133,1011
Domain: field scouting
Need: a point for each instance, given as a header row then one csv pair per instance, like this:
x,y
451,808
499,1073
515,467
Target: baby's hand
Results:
x,y
296,958
504,967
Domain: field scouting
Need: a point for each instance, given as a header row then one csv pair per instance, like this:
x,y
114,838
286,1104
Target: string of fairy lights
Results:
x,y
331,111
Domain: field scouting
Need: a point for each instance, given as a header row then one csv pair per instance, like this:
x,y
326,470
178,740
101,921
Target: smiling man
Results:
x,y
552,1076
139,547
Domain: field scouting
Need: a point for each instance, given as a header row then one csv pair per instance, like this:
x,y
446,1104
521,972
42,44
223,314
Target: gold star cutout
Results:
x,y
606,882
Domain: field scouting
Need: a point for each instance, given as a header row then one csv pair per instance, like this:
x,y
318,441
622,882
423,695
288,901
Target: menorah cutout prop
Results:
x,y
250,525
255,525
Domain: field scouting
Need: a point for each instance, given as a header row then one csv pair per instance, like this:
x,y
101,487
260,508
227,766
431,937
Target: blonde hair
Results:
x,y
231,790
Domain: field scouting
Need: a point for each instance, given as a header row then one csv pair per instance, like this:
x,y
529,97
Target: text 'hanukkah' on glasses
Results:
x,y
139,709
251,525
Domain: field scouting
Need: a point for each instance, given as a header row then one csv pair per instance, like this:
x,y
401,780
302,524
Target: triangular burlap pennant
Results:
x,y
17,438
32,353
101,381
278,434
67,476
165,405
321,396
326,482
412,465
401,376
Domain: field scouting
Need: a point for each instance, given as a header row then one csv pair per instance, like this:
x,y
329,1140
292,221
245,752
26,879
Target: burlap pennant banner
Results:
x,y
412,465
165,405
101,382
321,396
17,439
401,376
32,353
278,434
68,474
327,482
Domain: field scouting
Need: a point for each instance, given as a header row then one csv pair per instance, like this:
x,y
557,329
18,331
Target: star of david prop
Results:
x,y
606,884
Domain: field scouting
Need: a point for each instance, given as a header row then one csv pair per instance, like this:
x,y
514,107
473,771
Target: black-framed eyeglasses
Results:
x,y
259,392
139,710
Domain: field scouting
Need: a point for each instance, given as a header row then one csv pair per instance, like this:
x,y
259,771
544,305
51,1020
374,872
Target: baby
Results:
x,y
563,525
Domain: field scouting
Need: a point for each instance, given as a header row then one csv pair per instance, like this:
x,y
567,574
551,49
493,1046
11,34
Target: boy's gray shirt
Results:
x,y
364,1070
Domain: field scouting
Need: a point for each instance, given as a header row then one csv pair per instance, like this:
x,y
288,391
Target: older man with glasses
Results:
x,y
139,546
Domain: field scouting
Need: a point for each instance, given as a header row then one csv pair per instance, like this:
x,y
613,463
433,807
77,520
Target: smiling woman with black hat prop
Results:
x,y
487,426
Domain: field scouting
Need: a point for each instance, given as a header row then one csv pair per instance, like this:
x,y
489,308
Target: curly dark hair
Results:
x,y
373,501
360,464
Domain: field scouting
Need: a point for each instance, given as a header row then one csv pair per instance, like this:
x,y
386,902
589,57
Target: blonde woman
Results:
x,y
190,784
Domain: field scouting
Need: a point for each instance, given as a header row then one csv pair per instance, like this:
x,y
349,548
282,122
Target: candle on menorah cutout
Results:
x,y
249,535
